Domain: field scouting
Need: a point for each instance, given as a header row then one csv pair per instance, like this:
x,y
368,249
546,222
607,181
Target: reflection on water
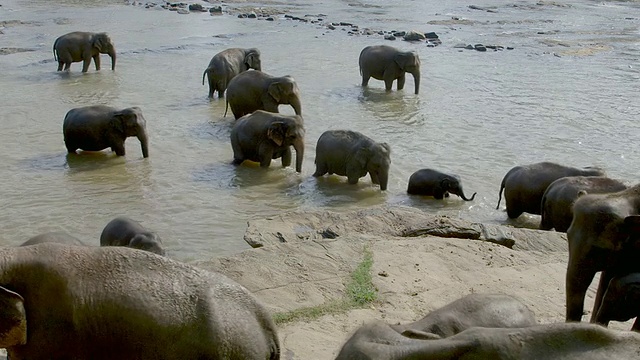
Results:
x,y
563,94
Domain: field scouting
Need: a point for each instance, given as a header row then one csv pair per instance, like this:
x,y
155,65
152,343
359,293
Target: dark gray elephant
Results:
x,y
97,127
557,200
263,136
228,63
352,154
254,90
604,236
59,237
84,302
383,62
378,341
123,231
621,301
486,310
429,182
83,46
524,185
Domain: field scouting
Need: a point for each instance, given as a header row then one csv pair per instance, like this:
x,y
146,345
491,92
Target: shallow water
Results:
x,y
566,93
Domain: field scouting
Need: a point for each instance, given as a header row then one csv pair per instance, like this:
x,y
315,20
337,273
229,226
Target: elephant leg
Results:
x,y
401,80
578,279
85,63
266,154
636,324
374,178
605,277
438,194
321,169
388,80
238,156
446,194
60,65
71,149
67,66
96,60
352,179
286,157
365,78
118,149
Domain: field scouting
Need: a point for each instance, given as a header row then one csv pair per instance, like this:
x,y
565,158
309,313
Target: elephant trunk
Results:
x,y
416,80
144,143
112,54
465,198
295,104
383,177
298,145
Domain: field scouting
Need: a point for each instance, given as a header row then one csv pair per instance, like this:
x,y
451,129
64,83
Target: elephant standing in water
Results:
x,y
604,236
254,90
228,63
558,199
352,154
97,127
383,62
524,185
83,46
429,182
263,136
103,303
621,301
123,231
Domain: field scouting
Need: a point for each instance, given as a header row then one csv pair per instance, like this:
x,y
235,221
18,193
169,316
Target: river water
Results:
x,y
567,92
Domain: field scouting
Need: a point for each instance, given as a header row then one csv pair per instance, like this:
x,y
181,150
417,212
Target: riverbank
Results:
x,y
305,259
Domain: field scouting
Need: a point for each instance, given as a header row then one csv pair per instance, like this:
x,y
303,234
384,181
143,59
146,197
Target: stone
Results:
x,y
183,11
431,35
480,47
252,15
389,37
196,7
399,33
414,36
216,10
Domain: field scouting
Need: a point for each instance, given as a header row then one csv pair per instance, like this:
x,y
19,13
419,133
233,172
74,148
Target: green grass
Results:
x,y
359,293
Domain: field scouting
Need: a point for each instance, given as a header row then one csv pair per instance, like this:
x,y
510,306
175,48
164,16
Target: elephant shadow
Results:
x,y
334,190
391,106
92,160
247,175
46,162
216,130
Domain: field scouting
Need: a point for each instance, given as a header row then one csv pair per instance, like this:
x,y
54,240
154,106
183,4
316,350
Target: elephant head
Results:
x,y
102,42
410,62
453,186
13,319
284,90
148,242
289,132
375,160
130,122
252,59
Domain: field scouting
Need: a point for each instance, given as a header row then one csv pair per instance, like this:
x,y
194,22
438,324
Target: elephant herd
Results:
x,y
60,298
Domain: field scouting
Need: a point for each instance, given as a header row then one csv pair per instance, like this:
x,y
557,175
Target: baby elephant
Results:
x,y
352,154
485,310
387,63
123,231
97,127
434,183
83,46
59,237
262,136
621,301
228,63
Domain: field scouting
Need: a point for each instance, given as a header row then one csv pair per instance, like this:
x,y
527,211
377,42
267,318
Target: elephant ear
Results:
x,y
362,156
631,227
445,183
126,121
100,41
13,319
252,59
275,91
276,132
407,59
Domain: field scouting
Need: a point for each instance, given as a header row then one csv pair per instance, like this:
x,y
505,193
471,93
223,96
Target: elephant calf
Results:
x,y
486,310
524,185
557,200
104,303
123,231
429,182
97,127
387,63
228,63
263,136
350,153
621,301
254,90
59,237
83,46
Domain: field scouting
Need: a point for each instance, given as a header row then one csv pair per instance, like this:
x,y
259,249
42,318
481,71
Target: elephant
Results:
x,y
262,136
524,185
486,310
59,237
88,302
254,90
352,154
383,62
97,127
123,231
228,63
83,46
558,198
604,236
378,341
429,182
621,301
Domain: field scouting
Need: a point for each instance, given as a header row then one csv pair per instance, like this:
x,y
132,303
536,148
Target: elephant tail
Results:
x,y
500,193
226,106
204,74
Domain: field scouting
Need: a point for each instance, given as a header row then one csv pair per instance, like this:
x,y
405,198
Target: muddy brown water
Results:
x,y
567,92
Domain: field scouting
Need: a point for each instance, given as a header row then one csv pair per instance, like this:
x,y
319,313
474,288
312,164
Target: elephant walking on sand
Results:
x,y
123,231
263,136
97,127
103,303
83,46
621,301
352,154
383,62
228,63
429,182
557,200
524,185
254,90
